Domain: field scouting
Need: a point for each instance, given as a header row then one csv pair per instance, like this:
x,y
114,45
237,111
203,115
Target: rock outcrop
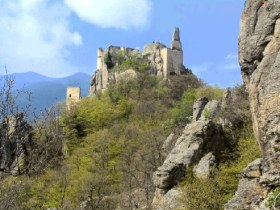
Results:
x,y
250,193
14,140
199,138
171,200
259,57
198,107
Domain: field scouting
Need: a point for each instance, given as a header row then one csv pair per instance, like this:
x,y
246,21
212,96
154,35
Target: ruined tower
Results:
x,y
73,95
177,53
176,42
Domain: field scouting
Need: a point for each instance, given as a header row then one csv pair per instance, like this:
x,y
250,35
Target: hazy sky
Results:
x,y
60,37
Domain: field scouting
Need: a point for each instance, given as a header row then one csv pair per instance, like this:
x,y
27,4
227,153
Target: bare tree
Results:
x,y
15,131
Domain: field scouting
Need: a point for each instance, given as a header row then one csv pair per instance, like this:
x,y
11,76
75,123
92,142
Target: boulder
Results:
x,y
203,169
253,170
171,200
211,110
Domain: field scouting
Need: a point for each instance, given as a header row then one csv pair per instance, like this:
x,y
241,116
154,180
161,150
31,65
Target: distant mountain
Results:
x,y
29,78
47,91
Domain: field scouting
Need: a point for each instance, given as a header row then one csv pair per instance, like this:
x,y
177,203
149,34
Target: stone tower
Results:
x,y
177,53
176,42
73,95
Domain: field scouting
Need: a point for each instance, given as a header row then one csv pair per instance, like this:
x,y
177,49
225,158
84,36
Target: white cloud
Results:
x,y
198,69
230,63
122,14
232,56
35,35
230,66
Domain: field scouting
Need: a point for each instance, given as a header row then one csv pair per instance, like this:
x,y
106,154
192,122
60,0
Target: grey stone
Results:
x,y
227,98
200,136
15,139
176,34
168,144
253,170
249,195
198,108
203,169
211,110
176,43
170,200
259,57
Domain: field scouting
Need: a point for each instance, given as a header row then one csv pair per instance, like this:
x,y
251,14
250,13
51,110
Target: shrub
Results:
x,y
273,199
185,107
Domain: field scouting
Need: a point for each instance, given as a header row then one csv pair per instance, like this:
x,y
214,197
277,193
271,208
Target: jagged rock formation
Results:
x,y
199,138
198,108
14,139
259,57
163,61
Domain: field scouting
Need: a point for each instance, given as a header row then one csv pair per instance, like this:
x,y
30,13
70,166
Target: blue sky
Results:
x,y
60,37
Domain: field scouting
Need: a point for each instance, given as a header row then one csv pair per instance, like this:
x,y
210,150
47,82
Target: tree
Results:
x,y
15,132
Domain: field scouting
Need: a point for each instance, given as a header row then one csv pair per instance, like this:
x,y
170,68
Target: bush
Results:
x,y
185,107
273,199
138,64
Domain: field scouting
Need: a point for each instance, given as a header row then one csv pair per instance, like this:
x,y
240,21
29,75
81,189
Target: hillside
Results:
x,y
151,135
112,146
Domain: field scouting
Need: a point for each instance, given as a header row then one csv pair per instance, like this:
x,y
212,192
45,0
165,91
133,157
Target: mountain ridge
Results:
x,y
46,91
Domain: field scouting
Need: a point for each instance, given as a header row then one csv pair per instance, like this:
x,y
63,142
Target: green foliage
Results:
x,y
138,64
273,200
108,60
93,114
211,93
185,107
206,113
202,194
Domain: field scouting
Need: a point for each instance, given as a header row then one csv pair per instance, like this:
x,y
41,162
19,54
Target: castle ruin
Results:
x,y
164,62
73,95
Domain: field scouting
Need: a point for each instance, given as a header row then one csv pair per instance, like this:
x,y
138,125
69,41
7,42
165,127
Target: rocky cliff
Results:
x,y
259,57
14,140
